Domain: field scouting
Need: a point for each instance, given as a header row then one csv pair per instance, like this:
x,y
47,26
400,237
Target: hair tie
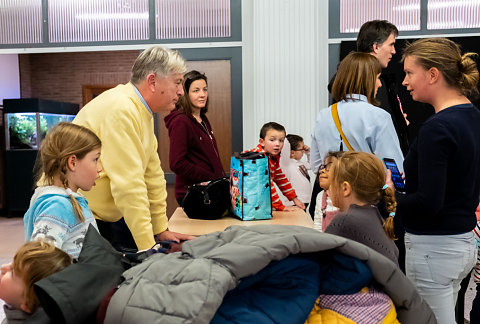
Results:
x,y
69,191
392,214
384,187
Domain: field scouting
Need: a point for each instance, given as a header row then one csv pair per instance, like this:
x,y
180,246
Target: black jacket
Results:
x,y
442,174
74,294
390,102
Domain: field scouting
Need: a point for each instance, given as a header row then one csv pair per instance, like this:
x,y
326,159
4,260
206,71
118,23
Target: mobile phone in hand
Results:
x,y
396,176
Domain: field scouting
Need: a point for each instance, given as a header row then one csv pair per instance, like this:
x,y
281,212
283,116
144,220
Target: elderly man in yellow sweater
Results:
x,y
132,184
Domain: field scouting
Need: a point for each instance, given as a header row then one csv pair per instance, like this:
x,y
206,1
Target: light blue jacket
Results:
x,y
367,128
51,217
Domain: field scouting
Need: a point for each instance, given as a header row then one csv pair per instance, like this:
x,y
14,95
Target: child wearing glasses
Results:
x,y
325,211
295,168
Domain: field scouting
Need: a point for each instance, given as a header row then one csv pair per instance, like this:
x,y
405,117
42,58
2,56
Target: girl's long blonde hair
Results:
x,y
366,175
61,142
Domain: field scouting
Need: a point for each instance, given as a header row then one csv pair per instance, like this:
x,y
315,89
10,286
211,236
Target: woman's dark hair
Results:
x,y
184,104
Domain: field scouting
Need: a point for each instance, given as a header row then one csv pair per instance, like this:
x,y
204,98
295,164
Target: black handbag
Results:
x,y
207,201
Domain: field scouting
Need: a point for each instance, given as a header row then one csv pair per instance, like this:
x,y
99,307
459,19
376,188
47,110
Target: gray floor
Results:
x,y
12,236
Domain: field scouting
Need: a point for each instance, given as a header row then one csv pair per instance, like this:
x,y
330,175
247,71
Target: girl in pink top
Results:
x,y
324,209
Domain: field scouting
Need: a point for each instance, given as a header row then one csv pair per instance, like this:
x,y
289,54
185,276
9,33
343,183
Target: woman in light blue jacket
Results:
x,y
366,127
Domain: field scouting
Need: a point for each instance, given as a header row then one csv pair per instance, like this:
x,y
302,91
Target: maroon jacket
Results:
x,y
194,153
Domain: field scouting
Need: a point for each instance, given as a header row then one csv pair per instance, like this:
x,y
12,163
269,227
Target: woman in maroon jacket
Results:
x,y
194,153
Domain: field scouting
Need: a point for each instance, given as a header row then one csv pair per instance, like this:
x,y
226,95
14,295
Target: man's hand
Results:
x,y
173,236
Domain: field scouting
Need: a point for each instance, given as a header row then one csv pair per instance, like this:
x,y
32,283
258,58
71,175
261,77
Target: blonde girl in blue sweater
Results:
x,y
68,160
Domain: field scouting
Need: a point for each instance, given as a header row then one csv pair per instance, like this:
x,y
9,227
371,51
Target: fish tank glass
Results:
x,y
26,130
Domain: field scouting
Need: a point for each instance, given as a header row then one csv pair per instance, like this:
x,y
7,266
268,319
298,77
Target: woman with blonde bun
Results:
x,y
442,173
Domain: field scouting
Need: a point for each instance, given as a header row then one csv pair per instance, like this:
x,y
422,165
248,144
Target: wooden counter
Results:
x,y
179,222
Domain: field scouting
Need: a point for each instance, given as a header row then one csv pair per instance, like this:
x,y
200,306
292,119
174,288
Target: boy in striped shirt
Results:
x,y
272,136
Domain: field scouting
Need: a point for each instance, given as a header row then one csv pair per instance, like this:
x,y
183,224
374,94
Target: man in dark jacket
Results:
x,y
377,37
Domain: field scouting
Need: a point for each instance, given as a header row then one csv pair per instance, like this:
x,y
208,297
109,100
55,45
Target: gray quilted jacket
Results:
x,y
188,287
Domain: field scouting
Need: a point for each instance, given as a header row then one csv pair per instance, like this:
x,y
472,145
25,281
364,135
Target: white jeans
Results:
x,y
436,264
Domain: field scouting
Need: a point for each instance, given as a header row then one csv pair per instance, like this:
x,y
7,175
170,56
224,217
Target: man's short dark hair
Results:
x,y
269,126
374,32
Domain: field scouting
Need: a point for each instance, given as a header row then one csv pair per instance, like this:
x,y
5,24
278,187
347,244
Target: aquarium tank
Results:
x,y
26,130
26,122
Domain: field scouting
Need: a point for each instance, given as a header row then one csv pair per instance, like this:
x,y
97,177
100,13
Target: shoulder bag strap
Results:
x,y
339,126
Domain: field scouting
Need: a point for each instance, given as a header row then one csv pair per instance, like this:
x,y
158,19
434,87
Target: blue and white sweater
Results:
x,y
51,217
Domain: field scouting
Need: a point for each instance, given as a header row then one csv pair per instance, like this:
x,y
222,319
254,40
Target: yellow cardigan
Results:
x,y
132,184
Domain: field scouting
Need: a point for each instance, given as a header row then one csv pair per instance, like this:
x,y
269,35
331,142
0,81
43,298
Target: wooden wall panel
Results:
x,y
219,111
60,76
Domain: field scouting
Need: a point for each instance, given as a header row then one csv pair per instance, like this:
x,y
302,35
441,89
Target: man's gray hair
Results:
x,y
161,61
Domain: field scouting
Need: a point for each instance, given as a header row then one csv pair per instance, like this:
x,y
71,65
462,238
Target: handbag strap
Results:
x,y
339,126
324,203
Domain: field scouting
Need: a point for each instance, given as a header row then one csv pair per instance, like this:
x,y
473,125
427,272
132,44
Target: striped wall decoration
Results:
x,y
21,22
405,14
97,20
192,19
452,14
